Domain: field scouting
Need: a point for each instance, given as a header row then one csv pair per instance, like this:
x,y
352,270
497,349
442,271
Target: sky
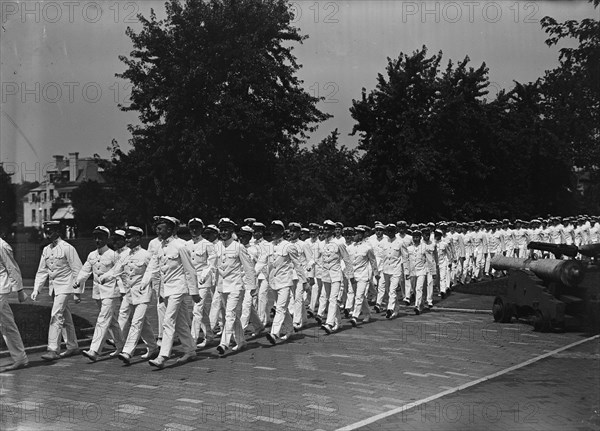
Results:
x,y
59,93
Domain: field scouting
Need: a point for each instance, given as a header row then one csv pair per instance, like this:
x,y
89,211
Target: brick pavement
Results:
x,y
560,392
313,382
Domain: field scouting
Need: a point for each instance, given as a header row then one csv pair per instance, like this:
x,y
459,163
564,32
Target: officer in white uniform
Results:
x,y
365,264
332,253
249,313
204,259
235,273
280,261
60,265
130,270
174,265
107,294
11,281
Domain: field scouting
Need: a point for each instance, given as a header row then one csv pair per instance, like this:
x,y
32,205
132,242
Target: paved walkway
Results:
x,y
313,382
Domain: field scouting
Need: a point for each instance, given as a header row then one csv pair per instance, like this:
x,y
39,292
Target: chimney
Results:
x,y
60,163
73,168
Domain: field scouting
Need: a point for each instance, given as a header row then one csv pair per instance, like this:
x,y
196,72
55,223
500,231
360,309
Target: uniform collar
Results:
x,y
102,249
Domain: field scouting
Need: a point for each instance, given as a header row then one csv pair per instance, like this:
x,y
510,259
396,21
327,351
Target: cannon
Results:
x,y
552,293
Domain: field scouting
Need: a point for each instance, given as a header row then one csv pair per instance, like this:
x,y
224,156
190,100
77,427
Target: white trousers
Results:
x,y
201,320
125,314
282,321
217,311
140,327
332,290
361,305
107,321
177,323
10,332
298,307
233,302
249,313
61,324
265,301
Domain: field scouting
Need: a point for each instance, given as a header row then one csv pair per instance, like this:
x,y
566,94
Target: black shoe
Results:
x,y
430,306
272,338
353,322
377,308
442,295
319,319
110,342
327,328
417,311
388,314
346,313
310,314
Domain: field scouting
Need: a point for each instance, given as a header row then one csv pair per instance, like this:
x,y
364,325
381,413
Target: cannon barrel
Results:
x,y
590,250
557,249
568,272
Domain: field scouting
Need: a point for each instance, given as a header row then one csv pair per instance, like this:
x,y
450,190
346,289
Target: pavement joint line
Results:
x,y
409,406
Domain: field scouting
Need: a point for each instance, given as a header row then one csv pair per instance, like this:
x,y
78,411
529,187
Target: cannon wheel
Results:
x,y
540,322
502,312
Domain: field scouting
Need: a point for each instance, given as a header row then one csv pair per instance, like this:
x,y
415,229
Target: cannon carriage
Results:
x,y
553,294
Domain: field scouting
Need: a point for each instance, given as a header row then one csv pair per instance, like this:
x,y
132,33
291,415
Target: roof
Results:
x,y
64,213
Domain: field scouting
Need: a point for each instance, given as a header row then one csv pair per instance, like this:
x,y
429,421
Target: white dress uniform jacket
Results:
x,y
59,264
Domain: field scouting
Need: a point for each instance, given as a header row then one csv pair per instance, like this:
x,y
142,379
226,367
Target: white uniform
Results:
x,y
173,264
235,273
204,259
10,281
332,254
60,265
365,264
130,270
279,261
106,294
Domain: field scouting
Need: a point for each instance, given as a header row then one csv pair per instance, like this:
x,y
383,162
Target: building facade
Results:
x,y
51,200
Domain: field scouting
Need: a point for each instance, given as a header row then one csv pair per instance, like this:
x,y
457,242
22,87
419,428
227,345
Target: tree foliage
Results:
x,y
216,90
8,201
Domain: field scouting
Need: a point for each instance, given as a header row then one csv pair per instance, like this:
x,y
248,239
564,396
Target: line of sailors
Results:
x,y
238,281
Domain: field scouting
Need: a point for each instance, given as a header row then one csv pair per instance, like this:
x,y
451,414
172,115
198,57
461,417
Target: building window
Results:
x,y
51,194
33,215
45,214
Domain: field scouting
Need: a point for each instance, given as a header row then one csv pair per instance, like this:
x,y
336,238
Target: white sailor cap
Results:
x,y
168,219
196,220
328,224
246,229
51,224
101,229
294,226
134,230
258,226
278,223
226,221
119,232
213,228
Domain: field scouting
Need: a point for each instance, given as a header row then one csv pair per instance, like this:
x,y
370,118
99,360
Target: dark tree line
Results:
x,y
224,119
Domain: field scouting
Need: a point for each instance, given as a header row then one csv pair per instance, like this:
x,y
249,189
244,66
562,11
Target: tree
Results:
x,y
323,182
220,105
572,90
8,201
93,204
423,133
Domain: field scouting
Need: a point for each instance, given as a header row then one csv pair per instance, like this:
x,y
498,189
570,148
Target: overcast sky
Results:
x,y
58,61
